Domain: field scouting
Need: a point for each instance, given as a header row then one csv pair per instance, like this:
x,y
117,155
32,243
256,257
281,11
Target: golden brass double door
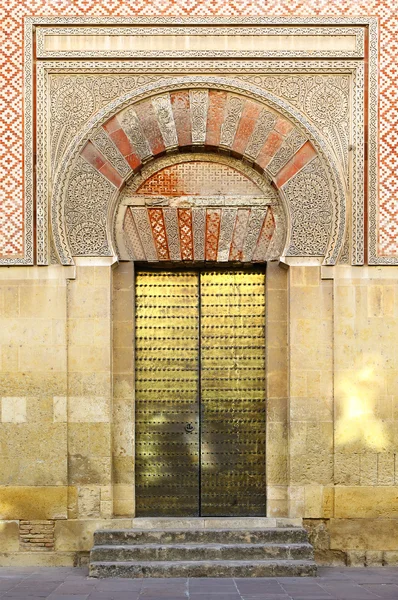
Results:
x,y
200,393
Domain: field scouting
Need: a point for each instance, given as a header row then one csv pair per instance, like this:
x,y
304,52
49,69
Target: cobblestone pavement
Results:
x,y
74,584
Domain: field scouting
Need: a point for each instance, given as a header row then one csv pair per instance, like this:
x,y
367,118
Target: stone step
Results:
x,y
205,568
199,552
214,522
293,535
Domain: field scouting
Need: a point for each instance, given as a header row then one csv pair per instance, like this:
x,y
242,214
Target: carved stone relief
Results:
x,y
111,152
324,99
75,98
263,125
292,143
86,208
310,210
130,121
158,68
199,102
231,120
204,227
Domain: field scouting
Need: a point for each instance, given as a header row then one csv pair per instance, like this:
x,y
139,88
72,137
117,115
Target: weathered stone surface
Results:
x,y
32,503
205,552
366,502
9,536
205,569
267,535
77,535
360,534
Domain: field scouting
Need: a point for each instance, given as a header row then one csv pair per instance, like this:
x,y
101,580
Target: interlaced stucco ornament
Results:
x,y
324,99
310,211
76,98
229,186
85,215
200,89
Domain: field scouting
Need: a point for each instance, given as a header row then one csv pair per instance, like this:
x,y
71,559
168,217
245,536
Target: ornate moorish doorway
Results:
x,y
200,393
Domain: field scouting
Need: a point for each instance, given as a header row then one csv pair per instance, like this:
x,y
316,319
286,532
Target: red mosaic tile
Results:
x,y
122,142
267,231
156,219
215,116
282,126
273,143
181,106
93,156
111,174
150,127
186,233
97,160
246,126
297,162
213,222
112,125
239,234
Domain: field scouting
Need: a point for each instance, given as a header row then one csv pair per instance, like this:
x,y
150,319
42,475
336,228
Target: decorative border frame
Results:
x,y
370,22
214,30
336,182
239,70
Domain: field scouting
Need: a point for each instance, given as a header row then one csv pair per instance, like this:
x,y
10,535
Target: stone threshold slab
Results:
x,y
214,523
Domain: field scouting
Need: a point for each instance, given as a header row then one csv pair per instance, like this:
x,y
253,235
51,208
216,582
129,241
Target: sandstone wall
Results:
x,y
67,408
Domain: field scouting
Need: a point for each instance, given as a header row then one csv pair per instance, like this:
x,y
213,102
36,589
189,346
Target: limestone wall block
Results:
x,y
123,360
277,384
368,469
41,358
86,301
276,334
277,410
347,469
40,409
276,467
123,333
276,277
385,468
9,300
13,409
88,501
89,359
313,501
123,386
33,471
9,536
311,468
45,300
277,508
123,469
33,383
123,306
77,535
89,470
60,409
366,502
33,503
276,304
123,500
360,534
72,502
123,439
88,409
89,383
